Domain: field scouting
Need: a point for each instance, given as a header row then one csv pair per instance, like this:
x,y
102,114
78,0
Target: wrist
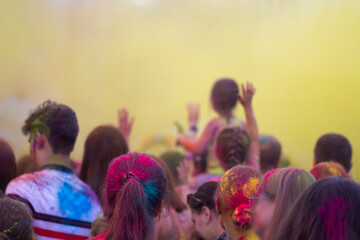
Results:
x,y
193,128
248,108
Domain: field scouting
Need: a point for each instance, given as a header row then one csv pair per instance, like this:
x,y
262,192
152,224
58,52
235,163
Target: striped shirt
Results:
x,y
63,206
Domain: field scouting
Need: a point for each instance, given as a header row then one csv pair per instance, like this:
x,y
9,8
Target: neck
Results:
x,y
227,116
241,235
216,231
58,159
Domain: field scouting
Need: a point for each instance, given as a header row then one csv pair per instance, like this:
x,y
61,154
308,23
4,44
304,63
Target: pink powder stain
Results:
x,y
241,214
334,212
242,238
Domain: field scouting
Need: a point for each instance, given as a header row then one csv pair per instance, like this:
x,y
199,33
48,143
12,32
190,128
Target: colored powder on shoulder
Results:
x,y
72,203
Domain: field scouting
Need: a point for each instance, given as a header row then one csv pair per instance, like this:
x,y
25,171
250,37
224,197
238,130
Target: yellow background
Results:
x,y
152,56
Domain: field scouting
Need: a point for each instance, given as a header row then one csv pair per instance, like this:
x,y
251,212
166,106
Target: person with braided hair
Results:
x,y
236,188
135,188
232,147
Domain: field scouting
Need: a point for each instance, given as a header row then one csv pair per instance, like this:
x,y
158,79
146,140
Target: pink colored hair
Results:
x,y
135,188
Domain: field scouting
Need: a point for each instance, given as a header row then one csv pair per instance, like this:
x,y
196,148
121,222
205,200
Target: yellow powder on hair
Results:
x,y
251,187
334,171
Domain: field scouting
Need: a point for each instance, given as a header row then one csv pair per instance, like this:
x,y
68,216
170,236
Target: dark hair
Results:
x,y
232,146
135,188
7,164
103,144
224,95
200,162
333,147
24,165
15,220
58,122
328,209
174,198
270,151
206,196
172,160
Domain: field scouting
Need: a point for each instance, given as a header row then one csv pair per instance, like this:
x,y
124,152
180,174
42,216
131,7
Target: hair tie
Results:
x,y
242,214
128,175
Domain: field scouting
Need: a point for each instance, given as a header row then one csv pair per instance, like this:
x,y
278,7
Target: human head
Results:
x,y
333,147
57,122
327,169
232,146
224,95
103,144
328,209
279,189
135,188
270,151
15,220
7,163
236,186
203,210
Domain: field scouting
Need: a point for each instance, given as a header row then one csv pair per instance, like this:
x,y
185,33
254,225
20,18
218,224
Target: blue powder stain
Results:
x,y
27,222
73,204
151,191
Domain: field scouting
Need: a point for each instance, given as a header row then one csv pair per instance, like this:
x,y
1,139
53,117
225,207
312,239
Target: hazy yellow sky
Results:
x,y
152,56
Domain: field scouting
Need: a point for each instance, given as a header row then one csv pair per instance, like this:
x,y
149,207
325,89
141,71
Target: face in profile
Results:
x,y
201,222
263,214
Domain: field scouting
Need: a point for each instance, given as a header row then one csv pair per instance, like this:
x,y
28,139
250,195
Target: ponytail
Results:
x,y
130,214
135,188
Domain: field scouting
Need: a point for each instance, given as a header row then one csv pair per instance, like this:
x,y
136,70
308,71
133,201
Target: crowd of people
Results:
x,y
226,183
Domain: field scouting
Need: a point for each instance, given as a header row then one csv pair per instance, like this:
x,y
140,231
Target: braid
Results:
x,y
232,147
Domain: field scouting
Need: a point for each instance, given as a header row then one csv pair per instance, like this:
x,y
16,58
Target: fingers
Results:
x,y
192,106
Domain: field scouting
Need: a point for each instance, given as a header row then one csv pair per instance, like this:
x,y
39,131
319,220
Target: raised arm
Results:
x,y
189,142
125,123
245,99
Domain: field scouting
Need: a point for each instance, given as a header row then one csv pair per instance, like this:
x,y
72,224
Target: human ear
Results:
x,y
40,140
206,213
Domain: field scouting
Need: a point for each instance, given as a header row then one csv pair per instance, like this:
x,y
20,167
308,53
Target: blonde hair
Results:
x,y
284,185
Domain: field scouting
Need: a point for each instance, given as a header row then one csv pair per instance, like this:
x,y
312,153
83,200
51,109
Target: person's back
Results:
x,y
62,205
223,100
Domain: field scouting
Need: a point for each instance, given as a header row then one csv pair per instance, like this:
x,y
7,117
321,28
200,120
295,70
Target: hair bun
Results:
x,y
243,215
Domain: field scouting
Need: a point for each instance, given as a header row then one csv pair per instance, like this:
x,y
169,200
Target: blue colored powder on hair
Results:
x,y
73,203
151,191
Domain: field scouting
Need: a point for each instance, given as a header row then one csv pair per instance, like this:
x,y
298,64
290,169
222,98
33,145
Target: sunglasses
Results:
x,y
253,201
191,199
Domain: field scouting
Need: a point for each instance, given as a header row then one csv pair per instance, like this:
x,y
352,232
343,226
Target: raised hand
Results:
x,y
193,112
125,123
246,95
